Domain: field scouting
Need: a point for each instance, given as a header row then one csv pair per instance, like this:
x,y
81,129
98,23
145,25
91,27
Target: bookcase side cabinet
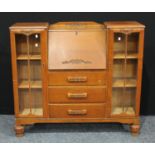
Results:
x,y
77,72
29,47
125,44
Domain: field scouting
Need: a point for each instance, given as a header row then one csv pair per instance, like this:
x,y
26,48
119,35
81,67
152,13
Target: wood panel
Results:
x,y
76,78
77,110
77,94
77,50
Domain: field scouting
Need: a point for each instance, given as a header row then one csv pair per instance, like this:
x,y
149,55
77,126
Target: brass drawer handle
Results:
x,y
77,112
77,95
77,79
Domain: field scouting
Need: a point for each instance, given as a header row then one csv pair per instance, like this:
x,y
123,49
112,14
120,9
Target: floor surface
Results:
x,y
77,133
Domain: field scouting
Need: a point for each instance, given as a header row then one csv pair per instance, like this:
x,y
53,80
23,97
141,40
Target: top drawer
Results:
x,y
92,77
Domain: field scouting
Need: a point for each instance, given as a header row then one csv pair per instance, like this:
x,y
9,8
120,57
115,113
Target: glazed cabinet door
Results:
x,y
28,73
126,71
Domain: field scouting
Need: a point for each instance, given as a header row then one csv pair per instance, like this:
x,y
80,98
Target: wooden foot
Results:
x,y
135,129
19,130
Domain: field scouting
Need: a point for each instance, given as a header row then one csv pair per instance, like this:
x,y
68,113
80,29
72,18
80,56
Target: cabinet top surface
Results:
x,y
123,24
76,26
88,25
29,25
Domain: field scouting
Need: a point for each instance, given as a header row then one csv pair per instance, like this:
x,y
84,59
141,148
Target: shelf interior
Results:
x,y
124,82
122,99
30,101
28,51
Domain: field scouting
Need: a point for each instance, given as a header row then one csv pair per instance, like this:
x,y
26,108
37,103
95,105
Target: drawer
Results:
x,y
77,78
77,94
77,110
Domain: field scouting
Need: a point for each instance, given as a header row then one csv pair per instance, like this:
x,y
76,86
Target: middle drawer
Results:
x,y
77,94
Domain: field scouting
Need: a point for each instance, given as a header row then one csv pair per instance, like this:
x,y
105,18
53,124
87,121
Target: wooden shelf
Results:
x,y
124,111
124,82
26,57
121,55
34,111
33,84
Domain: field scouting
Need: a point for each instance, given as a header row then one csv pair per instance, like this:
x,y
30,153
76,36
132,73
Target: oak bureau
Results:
x,y
77,72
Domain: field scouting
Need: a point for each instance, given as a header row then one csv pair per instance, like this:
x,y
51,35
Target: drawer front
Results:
x,y
77,78
77,94
77,110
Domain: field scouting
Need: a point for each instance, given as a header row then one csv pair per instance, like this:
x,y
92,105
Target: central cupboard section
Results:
x,y
77,70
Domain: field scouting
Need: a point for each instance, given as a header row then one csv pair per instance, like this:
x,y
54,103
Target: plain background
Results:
x,y
7,19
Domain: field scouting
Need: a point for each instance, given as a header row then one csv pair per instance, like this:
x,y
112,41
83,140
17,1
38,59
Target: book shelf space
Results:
x,y
124,83
28,56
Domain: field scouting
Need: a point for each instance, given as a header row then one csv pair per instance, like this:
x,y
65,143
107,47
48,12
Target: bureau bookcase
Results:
x,y
77,72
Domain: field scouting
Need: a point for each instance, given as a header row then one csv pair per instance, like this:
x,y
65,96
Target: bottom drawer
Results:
x,y
77,110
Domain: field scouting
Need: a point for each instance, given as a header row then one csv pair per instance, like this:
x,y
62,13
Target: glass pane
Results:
x,y
118,68
129,100
36,101
130,84
34,44
24,101
131,68
35,74
23,87
21,45
117,100
22,70
133,40
119,45
123,100
35,82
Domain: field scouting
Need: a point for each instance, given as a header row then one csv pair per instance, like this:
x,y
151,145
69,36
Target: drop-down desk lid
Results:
x,y
77,45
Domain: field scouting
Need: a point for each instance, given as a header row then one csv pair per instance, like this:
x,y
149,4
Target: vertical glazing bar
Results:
x,y
29,74
124,72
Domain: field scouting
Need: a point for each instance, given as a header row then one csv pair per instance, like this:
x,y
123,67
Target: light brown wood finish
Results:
x,y
77,48
28,70
78,92
77,110
19,130
133,67
68,78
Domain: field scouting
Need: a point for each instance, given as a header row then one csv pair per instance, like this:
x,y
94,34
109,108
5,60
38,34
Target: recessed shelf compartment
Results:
x,y
118,68
123,100
30,102
29,71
